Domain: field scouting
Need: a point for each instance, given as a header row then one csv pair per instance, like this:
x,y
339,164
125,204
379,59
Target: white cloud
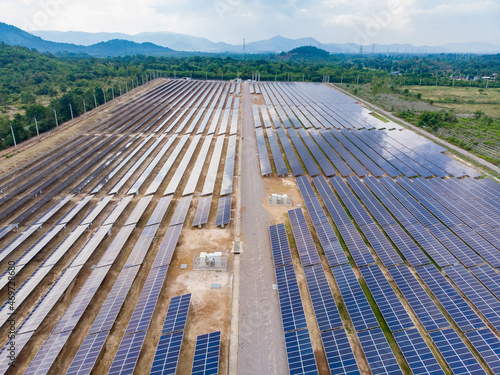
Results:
x,y
422,22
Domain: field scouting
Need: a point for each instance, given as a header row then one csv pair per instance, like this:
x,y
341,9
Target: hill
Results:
x,y
14,36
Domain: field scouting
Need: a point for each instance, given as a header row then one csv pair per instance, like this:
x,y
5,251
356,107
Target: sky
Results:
x,y
418,22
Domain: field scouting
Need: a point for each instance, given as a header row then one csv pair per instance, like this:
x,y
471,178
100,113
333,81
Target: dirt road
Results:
x,y
261,342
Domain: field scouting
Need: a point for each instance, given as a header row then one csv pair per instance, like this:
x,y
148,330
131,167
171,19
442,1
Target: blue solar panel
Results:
x,y
381,215
292,310
480,297
87,354
451,300
279,245
456,354
406,246
357,305
340,187
380,357
488,345
308,161
421,303
325,308
381,245
357,211
321,159
265,164
127,354
489,277
305,187
223,211
388,302
47,354
300,353
356,245
417,353
176,314
331,246
167,354
303,239
206,354
293,160
202,211
359,188
279,162
339,354
143,311
167,246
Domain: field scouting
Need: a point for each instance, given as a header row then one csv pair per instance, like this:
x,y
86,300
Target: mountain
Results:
x,y
115,47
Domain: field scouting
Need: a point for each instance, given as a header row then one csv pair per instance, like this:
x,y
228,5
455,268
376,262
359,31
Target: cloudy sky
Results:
x,y
419,22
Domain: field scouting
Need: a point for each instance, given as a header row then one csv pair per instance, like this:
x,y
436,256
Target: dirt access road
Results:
x,y
261,343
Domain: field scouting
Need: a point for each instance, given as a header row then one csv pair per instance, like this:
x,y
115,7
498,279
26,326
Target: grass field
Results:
x,y
462,100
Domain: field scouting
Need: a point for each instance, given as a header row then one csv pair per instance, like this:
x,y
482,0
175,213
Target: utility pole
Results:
x,y
84,107
120,86
136,81
13,136
126,87
113,91
104,94
95,101
36,126
55,115
71,110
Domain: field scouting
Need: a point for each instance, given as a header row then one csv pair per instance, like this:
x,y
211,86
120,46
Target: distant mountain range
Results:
x,y
168,44
110,48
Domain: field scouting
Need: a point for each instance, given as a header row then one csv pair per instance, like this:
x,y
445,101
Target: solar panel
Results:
x,y
308,161
227,178
113,249
451,300
142,178
223,211
128,352
160,210
476,293
96,210
167,246
116,297
167,354
290,153
176,314
488,346
303,239
182,167
489,277
406,246
356,245
265,165
339,354
300,353
381,245
181,211
87,354
138,211
320,158
331,246
455,353
279,245
72,213
6,230
378,352
135,166
417,353
143,311
387,301
357,305
208,187
305,187
78,305
279,162
43,308
325,308
153,187
21,341
206,354
51,211
421,303
142,245
198,167
202,211
47,354
292,311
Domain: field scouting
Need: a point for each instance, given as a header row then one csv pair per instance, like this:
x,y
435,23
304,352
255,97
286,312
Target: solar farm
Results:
x,y
387,263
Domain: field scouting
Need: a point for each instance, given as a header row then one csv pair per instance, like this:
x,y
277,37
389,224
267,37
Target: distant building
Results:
x,y
396,73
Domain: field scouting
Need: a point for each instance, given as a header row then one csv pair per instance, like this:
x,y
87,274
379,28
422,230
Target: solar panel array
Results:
x,y
380,357
265,164
279,245
279,162
223,211
303,239
206,354
227,178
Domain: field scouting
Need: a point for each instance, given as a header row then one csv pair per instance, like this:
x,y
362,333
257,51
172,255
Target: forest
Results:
x,y
43,86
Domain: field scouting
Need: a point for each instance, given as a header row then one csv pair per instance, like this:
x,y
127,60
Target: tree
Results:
x,y
375,90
